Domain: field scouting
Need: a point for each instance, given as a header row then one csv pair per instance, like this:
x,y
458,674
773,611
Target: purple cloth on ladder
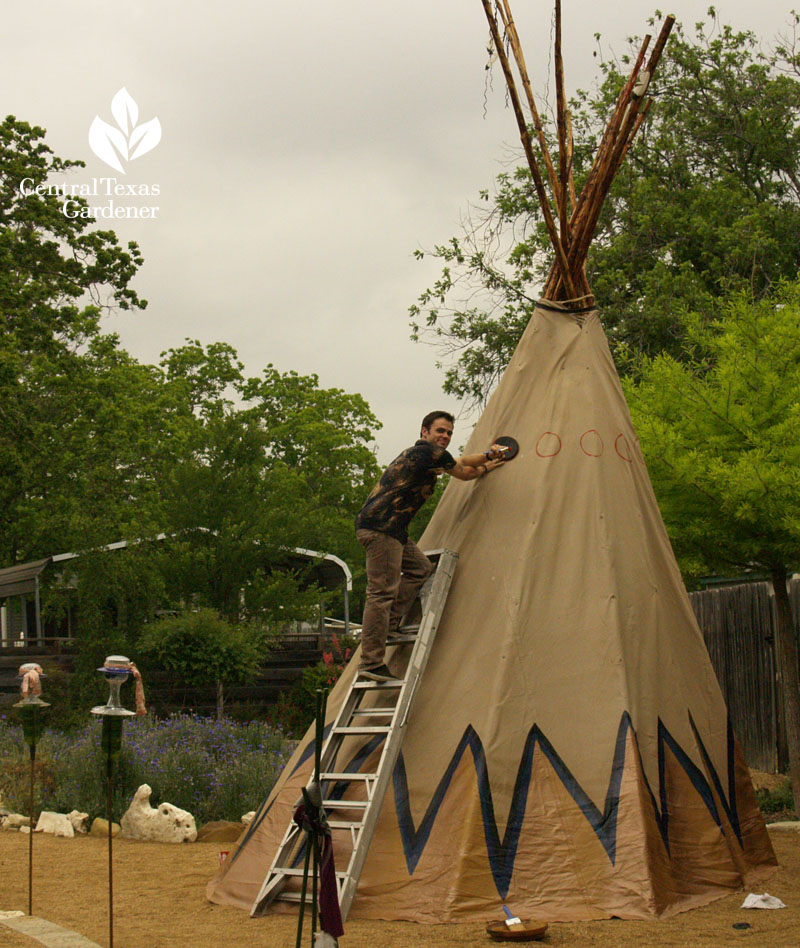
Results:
x,y
330,916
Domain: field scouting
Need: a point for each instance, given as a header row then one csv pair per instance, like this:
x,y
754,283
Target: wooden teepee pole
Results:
x,y
560,250
516,48
561,122
570,162
590,202
620,140
638,106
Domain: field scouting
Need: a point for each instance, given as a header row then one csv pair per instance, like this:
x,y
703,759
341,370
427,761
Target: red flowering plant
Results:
x,y
295,709
336,660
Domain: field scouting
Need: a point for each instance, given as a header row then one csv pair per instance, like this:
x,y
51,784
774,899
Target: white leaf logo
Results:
x,y
123,108
102,140
128,141
144,138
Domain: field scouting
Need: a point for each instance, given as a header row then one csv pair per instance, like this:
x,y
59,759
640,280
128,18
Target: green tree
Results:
x,y
64,440
57,274
707,201
718,431
195,646
271,463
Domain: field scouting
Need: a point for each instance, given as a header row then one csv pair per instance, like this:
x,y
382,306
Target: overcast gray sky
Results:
x,y
307,150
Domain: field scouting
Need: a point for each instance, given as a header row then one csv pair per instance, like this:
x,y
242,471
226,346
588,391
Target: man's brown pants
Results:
x,y
395,574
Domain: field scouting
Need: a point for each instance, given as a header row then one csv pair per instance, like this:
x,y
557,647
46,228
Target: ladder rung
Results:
x,y
370,685
374,712
345,804
299,872
337,776
344,824
401,640
290,896
361,729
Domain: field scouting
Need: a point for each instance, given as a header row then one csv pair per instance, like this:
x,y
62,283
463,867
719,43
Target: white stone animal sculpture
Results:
x,y
57,824
167,824
80,821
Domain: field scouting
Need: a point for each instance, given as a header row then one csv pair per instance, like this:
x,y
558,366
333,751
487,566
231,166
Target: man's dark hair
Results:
x,y
429,419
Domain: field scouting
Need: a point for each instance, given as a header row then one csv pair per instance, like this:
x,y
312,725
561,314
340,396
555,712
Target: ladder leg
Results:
x,y
315,873
374,715
303,897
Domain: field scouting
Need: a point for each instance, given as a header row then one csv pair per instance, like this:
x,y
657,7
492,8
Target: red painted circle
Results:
x,y
548,448
595,443
625,457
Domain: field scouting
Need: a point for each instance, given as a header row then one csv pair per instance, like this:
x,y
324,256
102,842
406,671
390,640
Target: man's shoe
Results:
x,y
381,673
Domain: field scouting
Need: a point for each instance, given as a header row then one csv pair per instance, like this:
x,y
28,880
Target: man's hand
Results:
x,y
496,451
474,465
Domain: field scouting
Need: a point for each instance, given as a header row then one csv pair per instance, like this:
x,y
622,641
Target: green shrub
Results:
x,y
776,800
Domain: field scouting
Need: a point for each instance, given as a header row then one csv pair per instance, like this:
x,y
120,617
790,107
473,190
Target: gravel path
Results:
x,y
159,902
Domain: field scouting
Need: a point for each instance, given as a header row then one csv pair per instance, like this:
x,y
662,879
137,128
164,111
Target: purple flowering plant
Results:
x,y
217,769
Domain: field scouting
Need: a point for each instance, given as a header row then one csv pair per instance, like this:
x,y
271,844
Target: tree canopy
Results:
x,y
708,201
64,387
718,431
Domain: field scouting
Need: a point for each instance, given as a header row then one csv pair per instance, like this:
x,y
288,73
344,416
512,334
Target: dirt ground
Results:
x,y
159,902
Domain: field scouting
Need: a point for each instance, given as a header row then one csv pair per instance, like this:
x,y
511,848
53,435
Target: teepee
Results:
x,y
569,751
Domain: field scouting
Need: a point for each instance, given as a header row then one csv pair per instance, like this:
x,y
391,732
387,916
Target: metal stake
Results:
x,y
116,670
31,707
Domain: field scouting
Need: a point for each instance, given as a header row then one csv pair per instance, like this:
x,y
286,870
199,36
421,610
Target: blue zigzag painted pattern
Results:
x,y
502,853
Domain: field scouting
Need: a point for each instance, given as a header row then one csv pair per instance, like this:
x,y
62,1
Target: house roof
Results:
x,y
22,578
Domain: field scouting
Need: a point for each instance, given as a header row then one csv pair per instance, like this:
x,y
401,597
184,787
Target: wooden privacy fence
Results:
x,y
738,625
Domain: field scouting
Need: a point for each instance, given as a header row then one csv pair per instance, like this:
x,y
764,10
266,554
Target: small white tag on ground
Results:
x,y
765,901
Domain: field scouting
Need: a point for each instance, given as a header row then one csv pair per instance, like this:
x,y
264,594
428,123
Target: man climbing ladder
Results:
x,y
396,567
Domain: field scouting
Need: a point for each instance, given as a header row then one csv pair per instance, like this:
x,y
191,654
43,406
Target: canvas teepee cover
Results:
x,y
569,751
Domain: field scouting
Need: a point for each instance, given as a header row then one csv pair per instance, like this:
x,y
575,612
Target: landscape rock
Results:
x,y
785,826
166,824
16,820
100,828
57,824
248,817
219,831
80,821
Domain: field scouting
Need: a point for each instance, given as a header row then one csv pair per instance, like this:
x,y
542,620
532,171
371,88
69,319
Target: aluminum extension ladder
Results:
x,y
369,709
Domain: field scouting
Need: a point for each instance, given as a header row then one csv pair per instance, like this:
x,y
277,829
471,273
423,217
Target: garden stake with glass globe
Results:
x,y
116,670
31,708
311,816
